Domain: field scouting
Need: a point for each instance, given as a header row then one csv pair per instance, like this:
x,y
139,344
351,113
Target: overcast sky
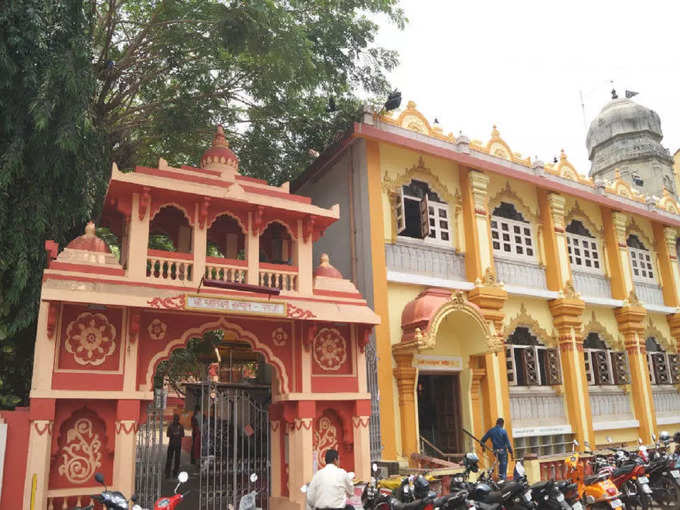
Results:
x,y
521,64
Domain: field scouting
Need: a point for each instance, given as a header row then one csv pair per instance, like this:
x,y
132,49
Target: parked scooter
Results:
x,y
111,500
597,491
627,472
664,474
171,502
248,501
371,497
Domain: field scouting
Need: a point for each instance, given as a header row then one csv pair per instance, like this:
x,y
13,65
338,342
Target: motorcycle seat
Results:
x,y
590,480
487,506
494,497
541,485
623,470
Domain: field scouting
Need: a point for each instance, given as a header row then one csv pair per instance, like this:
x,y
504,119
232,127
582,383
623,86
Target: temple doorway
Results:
x,y
439,414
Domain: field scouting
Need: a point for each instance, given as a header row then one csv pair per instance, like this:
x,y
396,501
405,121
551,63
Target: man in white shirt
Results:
x,y
331,486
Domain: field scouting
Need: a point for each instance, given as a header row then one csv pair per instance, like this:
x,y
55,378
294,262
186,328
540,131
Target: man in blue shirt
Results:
x,y
501,446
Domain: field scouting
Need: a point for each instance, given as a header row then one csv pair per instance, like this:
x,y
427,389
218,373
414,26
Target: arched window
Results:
x,y
664,368
511,234
169,230
603,366
226,239
276,245
583,248
530,363
640,260
421,214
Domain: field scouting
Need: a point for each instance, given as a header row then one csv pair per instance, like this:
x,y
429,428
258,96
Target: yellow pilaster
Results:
x,y
406,375
617,252
630,320
38,463
668,262
478,256
558,269
567,312
380,302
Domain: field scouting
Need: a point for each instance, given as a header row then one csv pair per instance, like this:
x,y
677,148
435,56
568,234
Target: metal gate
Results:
x,y
234,444
149,457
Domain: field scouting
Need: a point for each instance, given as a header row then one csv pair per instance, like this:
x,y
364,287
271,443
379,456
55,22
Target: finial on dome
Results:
x,y
563,155
325,268
614,94
220,140
325,260
90,229
494,132
411,105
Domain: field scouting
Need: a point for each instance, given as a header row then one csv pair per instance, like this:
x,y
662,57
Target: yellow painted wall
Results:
x,y
657,326
603,319
618,436
539,312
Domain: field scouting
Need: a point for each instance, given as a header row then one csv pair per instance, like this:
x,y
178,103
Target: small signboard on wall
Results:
x,y
429,363
241,306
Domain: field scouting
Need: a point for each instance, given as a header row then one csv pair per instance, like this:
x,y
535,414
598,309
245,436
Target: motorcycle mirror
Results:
x,y
133,498
253,478
303,489
99,477
183,477
653,437
374,467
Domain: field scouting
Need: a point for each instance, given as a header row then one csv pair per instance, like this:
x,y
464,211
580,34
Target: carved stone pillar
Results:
x,y
361,439
127,416
139,234
630,320
406,375
253,247
567,312
300,447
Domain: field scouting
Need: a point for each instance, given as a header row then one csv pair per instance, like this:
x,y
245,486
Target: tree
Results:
x,y
53,162
169,70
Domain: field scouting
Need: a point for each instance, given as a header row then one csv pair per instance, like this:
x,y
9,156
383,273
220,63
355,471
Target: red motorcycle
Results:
x,y
627,471
169,503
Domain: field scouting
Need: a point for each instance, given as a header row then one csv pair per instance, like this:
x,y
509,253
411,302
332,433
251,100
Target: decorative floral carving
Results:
x,y
81,455
90,338
325,438
279,337
299,313
172,303
330,349
157,329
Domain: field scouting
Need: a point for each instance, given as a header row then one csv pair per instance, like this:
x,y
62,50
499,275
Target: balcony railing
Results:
x,y
226,270
666,403
649,293
279,276
425,259
610,404
522,274
590,284
536,407
172,266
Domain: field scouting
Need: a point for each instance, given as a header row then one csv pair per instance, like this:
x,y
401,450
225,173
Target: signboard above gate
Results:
x,y
438,363
231,305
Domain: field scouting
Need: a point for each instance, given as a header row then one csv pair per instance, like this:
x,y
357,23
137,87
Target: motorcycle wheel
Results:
x,y
634,498
666,493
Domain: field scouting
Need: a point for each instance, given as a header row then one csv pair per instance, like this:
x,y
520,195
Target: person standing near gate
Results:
x,y
175,434
196,420
331,486
501,446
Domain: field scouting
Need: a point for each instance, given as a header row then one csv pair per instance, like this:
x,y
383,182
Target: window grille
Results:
x,y
584,253
640,260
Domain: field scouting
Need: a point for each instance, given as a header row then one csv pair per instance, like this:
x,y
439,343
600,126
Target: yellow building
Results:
x,y
506,286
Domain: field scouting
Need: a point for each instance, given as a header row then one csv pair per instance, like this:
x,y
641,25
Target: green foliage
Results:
x,y
111,240
168,71
53,162
213,250
189,362
161,242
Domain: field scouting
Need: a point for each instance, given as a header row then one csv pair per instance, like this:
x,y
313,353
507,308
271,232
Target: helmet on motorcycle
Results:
x,y
471,462
664,437
421,487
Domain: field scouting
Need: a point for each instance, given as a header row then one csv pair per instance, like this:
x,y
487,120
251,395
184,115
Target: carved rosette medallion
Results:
x,y
329,349
81,455
279,337
325,438
157,329
90,338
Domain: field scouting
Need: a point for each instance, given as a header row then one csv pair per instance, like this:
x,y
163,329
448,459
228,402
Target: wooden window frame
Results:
x,y
497,232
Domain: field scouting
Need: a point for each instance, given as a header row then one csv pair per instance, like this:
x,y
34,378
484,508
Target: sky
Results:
x,y
523,66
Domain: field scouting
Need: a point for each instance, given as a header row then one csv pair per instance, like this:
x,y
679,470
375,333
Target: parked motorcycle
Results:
x,y
111,500
171,502
664,474
627,472
597,491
